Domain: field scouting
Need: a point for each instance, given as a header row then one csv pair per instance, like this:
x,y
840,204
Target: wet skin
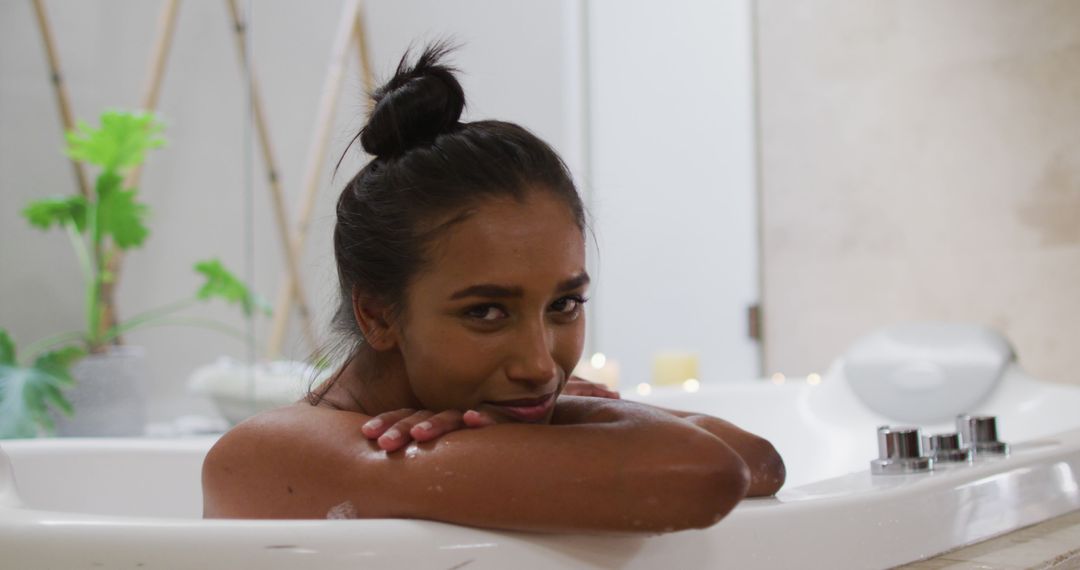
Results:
x,y
494,316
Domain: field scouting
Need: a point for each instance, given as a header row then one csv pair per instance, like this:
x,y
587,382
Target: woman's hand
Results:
x,y
394,430
580,387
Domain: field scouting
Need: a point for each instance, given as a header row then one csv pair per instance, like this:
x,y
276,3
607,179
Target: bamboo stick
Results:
x,y
60,87
278,201
315,163
68,119
155,75
365,55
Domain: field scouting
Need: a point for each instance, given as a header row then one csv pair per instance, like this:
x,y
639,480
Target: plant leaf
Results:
x,y
16,416
26,393
120,142
108,182
119,215
223,284
7,348
54,396
57,363
49,211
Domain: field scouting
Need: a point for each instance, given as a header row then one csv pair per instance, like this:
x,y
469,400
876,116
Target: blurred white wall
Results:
x,y
673,183
921,160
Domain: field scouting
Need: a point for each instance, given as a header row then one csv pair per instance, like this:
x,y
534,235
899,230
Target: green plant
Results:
x,y
98,226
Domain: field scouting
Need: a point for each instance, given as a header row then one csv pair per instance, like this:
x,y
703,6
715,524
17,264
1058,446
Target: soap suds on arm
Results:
x,y
345,510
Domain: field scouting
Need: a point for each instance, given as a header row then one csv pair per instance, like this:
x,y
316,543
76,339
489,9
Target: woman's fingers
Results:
x,y
394,430
379,424
598,391
399,435
604,392
581,387
475,419
391,430
437,425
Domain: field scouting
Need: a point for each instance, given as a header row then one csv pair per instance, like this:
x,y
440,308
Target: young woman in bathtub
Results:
x,y
461,260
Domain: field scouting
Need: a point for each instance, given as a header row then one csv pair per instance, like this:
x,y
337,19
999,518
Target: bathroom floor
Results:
x,y
1054,544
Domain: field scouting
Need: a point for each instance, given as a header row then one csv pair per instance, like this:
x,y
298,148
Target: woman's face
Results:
x,y
495,321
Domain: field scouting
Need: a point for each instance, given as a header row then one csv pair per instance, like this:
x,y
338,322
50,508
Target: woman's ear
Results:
x,y
375,321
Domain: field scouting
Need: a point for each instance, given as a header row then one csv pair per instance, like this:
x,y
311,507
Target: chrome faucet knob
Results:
x,y
898,443
945,447
979,434
899,452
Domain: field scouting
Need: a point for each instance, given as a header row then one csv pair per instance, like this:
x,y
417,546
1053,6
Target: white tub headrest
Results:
x,y
926,372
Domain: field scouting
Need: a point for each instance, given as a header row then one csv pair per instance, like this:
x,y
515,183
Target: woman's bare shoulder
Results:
x,y
296,424
302,413
270,465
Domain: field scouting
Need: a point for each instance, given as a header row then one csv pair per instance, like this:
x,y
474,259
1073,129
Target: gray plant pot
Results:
x,y
108,395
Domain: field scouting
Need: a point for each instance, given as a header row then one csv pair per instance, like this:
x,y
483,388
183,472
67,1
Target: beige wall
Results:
x,y
920,160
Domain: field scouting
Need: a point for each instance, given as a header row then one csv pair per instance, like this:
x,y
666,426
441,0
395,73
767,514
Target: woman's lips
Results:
x,y
527,409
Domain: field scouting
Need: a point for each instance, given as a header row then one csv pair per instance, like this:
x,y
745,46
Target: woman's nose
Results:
x,y
533,362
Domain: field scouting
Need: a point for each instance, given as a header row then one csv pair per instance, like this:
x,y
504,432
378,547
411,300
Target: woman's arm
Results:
x,y
604,465
767,471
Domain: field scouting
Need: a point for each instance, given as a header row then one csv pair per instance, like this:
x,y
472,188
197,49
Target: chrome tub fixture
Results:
x,y
900,452
979,434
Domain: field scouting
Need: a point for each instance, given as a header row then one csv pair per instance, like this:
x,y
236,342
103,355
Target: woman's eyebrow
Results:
x,y
492,291
578,280
489,291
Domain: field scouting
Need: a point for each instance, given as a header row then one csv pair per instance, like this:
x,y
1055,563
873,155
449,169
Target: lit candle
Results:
x,y
599,368
672,368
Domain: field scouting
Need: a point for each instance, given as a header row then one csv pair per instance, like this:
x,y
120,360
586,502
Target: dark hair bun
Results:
x,y
416,105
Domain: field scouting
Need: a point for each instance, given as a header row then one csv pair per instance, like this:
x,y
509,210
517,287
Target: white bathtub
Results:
x,y
115,503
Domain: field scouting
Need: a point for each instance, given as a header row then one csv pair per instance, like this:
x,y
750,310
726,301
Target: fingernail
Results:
x,y
373,424
424,426
392,434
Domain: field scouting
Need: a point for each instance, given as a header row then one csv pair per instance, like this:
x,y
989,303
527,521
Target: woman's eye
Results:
x,y
486,312
568,305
